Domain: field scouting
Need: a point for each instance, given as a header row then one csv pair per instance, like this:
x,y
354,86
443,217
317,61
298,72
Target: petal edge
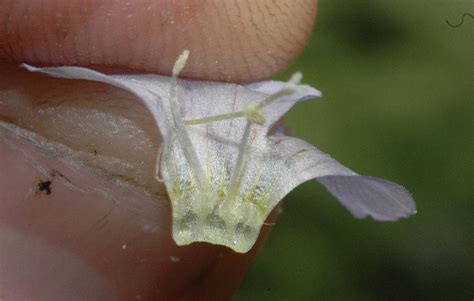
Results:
x,y
369,196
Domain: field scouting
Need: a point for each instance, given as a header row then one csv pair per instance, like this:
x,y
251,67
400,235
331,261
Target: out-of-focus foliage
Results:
x,y
398,103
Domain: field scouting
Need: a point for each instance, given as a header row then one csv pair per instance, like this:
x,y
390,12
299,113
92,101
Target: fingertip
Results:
x,y
238,41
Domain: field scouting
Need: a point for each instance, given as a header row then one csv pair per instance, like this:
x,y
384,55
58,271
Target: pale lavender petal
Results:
x,y
368,196
148,88
362,195
276,110
199,98
223,98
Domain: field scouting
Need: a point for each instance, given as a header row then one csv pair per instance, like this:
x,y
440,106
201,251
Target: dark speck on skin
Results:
x,y
44,186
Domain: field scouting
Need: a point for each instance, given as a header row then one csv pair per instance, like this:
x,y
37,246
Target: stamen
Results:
x,y
214,118
180,63
295,79
283,92
253,113
241,161
290,87
178,126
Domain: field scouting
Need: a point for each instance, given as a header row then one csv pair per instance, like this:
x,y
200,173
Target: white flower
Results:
x,y
222,171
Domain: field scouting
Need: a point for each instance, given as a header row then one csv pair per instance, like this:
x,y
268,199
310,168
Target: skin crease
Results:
x,y
49,251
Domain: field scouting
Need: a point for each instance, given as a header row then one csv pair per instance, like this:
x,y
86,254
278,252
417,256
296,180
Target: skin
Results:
x,y
102,231
237,41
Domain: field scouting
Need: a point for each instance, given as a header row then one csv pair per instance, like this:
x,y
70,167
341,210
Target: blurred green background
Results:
x,y
398,104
